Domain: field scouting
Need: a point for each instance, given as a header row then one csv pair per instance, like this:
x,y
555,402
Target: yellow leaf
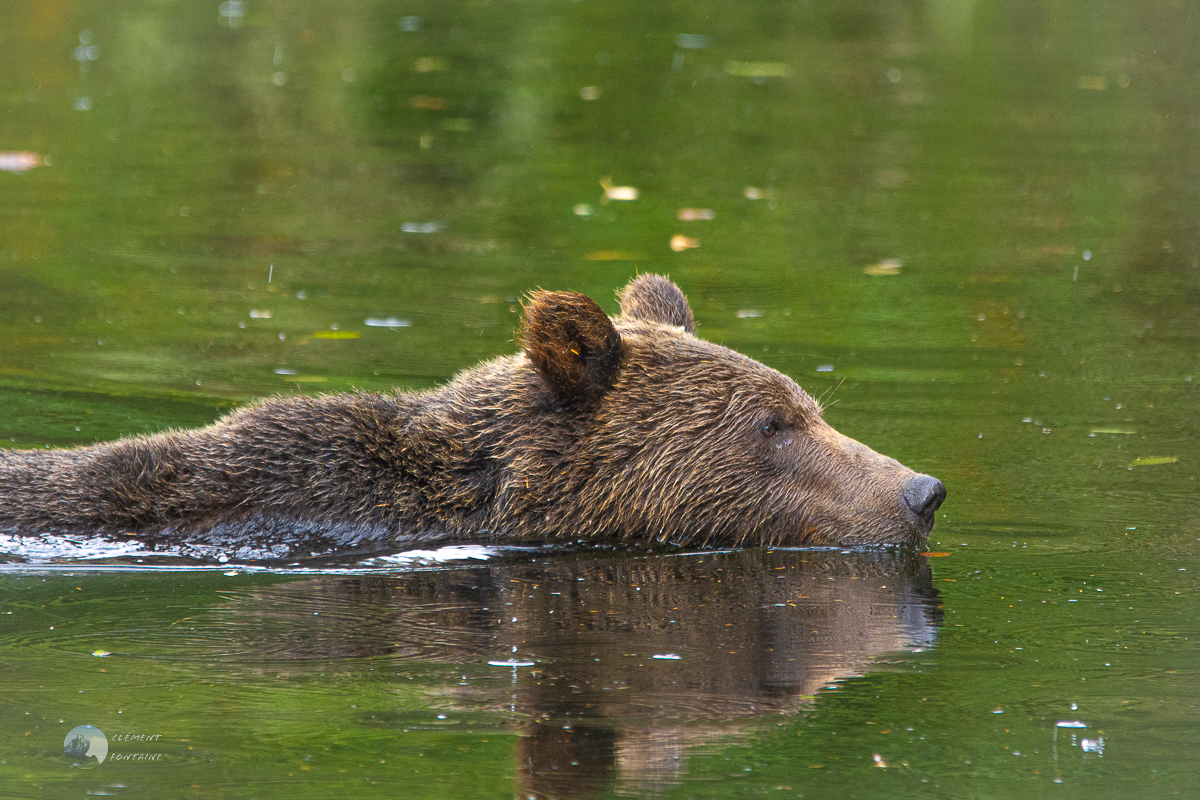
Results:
x,y
889,266
1149,461
758,69
612,255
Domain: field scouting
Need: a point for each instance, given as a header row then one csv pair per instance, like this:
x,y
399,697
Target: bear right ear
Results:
x,y
655,299
572,343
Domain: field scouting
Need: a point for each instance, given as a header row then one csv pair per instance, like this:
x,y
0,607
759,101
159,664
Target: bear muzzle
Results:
x,y
924,495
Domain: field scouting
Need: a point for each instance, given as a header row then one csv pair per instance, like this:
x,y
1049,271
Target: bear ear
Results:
x,y
655,299
572,343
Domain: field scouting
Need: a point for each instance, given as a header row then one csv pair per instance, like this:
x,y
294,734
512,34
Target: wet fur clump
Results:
x,y
628,428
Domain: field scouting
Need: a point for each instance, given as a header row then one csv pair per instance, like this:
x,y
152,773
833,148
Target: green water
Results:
x,y
971,227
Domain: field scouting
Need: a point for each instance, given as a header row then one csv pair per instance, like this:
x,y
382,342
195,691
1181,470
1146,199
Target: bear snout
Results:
x,y
924,495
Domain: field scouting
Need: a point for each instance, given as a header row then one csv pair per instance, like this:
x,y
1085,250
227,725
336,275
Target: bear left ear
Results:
x,y
572,343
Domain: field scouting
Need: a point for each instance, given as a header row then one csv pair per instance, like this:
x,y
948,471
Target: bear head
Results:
x,y
633,427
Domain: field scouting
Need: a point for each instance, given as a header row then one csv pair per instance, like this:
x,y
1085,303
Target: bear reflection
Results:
x,y
635,659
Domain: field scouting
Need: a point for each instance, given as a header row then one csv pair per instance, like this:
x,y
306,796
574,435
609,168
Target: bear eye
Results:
x,y
768,429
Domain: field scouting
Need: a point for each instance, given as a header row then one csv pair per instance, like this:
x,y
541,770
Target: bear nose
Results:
x,y
924,494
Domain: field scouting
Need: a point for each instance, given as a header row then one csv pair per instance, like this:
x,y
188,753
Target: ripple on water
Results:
x,y
80,552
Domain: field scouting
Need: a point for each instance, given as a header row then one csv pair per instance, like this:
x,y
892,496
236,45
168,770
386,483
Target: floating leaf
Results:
x,y
934,555
335,335
691,41
1149,461
612,255
617,192
889,266
427,102
430,64
758,69
1115,431
422,227
679,243
19,161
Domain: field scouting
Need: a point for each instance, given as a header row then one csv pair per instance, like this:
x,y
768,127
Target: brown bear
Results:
x,y
602,429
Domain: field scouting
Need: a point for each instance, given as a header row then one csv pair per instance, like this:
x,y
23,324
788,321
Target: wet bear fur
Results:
x,y
629,428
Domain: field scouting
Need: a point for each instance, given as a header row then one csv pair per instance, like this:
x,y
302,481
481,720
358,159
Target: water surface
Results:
x,y
970,228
